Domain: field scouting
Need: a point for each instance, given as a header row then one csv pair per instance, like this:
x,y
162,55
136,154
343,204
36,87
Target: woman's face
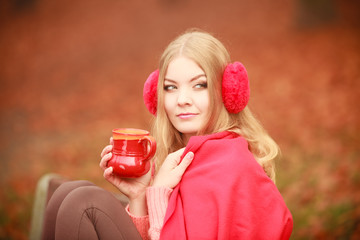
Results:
x,y
186,96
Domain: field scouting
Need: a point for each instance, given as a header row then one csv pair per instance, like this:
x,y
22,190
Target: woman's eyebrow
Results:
x,y
192,79
197,77
169,80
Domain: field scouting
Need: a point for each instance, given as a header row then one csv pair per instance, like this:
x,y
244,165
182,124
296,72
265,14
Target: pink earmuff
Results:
x,y
150,92
235,89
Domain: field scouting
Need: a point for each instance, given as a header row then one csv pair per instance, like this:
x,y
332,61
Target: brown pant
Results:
x,y
81,210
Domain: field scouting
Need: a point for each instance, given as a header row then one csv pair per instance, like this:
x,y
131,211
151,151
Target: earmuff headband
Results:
x,y
235,89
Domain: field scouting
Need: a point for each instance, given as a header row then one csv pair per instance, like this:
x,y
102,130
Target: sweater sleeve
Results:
x,y
141,223
157,201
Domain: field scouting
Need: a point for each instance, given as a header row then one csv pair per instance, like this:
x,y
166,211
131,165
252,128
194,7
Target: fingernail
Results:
x,y
190,155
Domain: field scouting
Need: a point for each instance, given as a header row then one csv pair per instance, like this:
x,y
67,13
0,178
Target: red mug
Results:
x,y
132,150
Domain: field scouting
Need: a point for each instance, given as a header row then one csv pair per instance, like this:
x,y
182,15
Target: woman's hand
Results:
x,y
172,169
133,188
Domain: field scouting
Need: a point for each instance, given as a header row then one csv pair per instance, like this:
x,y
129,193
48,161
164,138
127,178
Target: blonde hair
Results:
x,y
211,55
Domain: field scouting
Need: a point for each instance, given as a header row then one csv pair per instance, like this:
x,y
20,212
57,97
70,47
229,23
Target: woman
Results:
x,y
214,165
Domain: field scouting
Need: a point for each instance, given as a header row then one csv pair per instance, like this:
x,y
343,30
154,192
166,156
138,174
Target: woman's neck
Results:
x,y
186,138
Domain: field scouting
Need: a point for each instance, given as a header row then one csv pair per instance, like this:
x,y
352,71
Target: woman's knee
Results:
x,y
64,189
89,195
71,185
85,200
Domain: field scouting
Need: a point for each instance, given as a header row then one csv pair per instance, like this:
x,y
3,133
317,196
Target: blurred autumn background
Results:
x,y
71,71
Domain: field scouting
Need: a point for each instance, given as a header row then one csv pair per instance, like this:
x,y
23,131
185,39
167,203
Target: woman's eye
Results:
x,y
201,85
169,87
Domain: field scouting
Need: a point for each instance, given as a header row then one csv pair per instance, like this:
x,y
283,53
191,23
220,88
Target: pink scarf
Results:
x,y
225,194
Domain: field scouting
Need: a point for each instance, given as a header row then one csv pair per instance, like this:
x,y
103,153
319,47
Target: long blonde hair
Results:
x,y
211,55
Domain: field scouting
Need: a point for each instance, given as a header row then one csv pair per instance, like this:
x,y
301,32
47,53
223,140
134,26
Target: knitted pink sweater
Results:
x,y
150,226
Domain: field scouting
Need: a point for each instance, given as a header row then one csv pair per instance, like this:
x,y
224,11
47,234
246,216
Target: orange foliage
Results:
x,y
71,71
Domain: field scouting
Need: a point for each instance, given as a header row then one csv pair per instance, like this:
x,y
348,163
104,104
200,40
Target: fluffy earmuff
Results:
x,y
235,89
150,92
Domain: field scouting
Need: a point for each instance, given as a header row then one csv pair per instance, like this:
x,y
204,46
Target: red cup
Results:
x,y
133,148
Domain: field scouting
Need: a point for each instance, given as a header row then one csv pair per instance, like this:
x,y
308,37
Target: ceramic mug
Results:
x,y
132,151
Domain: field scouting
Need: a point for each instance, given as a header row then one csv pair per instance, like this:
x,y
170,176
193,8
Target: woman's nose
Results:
x,y
184,98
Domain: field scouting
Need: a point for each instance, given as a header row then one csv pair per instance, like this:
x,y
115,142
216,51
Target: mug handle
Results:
x,y
152,150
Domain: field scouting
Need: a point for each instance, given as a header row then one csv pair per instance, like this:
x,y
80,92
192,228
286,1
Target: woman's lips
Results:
x,y
186,115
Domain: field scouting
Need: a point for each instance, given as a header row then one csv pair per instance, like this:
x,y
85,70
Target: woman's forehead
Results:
x,y
183,68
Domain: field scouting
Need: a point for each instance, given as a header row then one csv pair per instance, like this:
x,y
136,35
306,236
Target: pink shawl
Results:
x,y
225,194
